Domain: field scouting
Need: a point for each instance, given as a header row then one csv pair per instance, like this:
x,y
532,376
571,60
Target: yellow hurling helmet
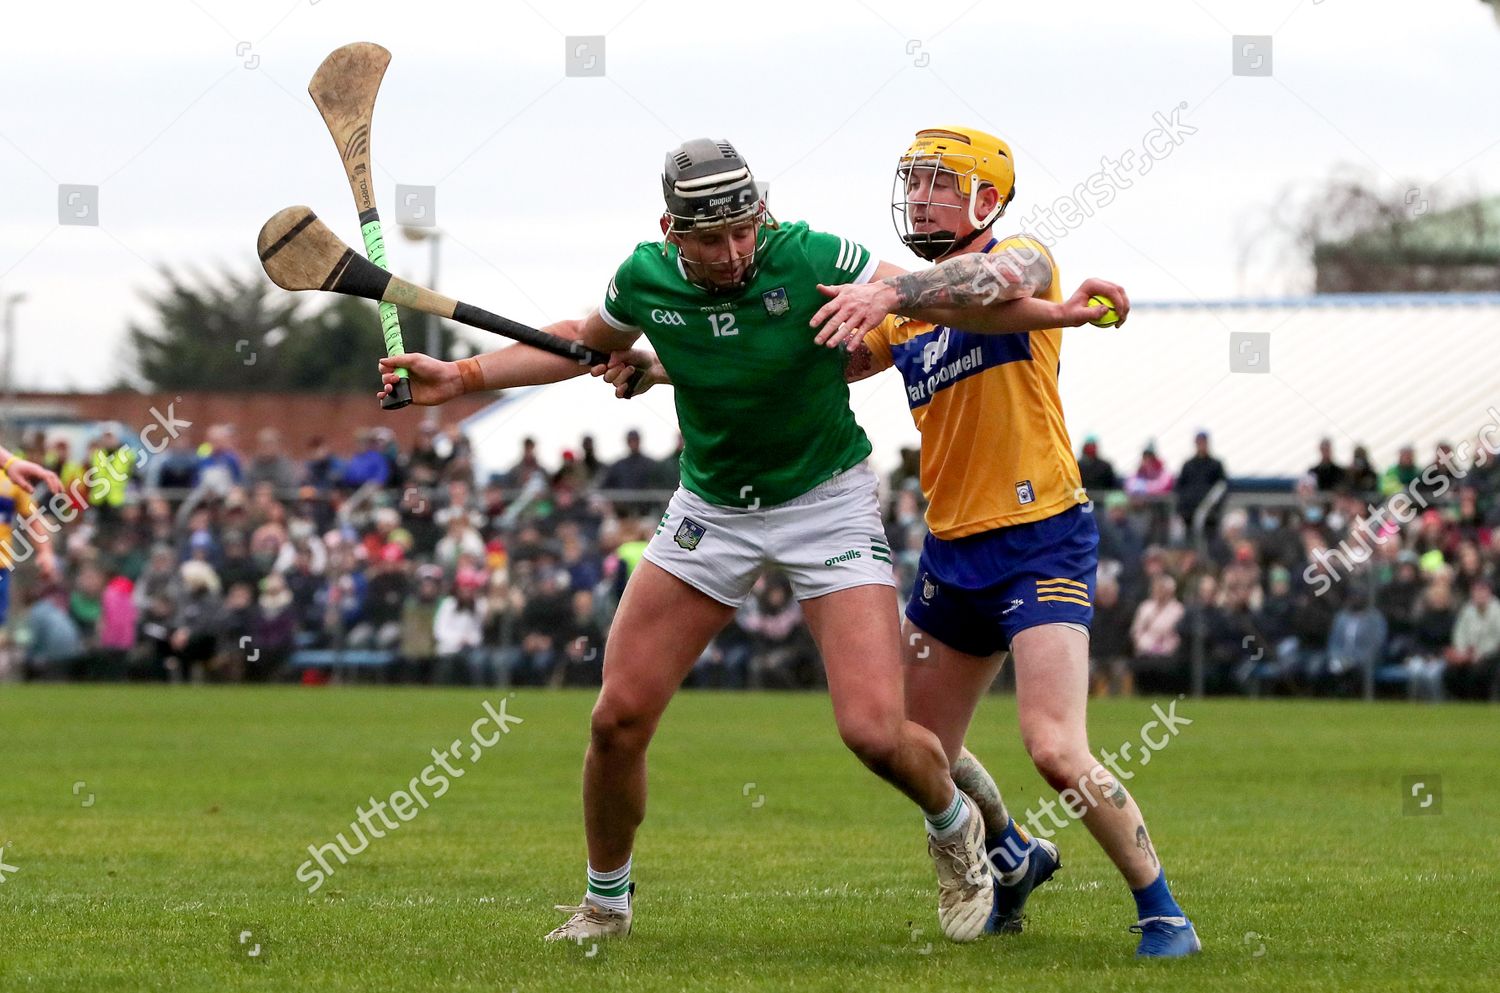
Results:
x,y
974,159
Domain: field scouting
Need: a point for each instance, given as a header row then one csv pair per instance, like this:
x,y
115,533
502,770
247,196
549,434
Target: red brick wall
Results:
x,y
298,416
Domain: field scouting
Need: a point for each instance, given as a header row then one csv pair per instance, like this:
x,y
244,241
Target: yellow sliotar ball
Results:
x,y
1110,318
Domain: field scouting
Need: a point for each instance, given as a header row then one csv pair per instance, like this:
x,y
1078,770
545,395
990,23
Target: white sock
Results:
x,y
610,890
951,821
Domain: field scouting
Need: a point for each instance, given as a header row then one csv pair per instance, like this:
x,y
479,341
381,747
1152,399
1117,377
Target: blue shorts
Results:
x,y
4,594
975,593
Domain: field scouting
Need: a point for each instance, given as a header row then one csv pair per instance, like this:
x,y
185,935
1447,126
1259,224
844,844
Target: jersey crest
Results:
x,y
689,533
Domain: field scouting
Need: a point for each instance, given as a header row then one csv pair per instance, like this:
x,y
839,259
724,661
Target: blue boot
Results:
x,y
1006,916
1166,938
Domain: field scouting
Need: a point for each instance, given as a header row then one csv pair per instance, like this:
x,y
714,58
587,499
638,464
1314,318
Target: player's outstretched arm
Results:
x,y
976,292
434,381
26,474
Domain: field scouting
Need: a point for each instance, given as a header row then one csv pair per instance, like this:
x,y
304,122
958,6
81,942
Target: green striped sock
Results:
x,y
951,821
610,889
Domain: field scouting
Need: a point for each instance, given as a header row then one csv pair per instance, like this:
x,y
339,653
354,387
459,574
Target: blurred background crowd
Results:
x,y
234,561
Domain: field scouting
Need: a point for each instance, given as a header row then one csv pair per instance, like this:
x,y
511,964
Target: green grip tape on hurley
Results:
x,y
390,323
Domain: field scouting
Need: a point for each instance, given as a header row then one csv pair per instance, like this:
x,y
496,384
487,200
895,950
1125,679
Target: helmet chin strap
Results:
x,y
940,244
964,242
716,290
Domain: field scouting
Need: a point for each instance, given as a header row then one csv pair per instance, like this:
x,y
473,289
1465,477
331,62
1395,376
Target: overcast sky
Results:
x,y
192,118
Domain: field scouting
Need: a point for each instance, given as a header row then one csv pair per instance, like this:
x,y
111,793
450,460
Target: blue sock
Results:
x,y
1009,848
1155,900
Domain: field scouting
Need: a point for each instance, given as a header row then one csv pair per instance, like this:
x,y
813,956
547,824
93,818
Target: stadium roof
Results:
x,y
1381,370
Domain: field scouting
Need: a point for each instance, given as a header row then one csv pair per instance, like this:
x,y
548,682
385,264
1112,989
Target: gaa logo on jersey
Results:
x,y
689,533
776,301
668,317
1024,492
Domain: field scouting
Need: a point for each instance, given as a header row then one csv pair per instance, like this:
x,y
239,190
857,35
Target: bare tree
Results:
x,y
1351,234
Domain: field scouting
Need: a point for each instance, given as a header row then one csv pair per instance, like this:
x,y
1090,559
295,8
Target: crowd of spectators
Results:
x,y
1347,582
213,563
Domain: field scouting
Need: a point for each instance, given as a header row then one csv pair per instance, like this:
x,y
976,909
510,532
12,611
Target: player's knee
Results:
x,y
620,726
1058,759
873,742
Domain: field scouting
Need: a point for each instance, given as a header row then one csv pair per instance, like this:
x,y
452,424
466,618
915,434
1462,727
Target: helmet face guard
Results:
x,y
959,158
913,191
709,188
709,274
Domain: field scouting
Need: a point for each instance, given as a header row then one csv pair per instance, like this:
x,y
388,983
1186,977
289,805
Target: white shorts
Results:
x,y
828,539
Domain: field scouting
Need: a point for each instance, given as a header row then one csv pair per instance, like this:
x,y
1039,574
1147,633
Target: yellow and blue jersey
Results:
x,y
15,504
995,449
1011,544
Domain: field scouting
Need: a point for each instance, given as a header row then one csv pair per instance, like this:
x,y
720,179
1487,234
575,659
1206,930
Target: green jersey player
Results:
x,y
764,417
773,473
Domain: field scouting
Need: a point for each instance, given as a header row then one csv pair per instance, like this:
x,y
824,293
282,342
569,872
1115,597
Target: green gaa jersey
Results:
x,y
764,411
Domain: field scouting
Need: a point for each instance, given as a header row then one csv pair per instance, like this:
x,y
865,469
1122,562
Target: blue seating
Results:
x,y
1393,675
341,658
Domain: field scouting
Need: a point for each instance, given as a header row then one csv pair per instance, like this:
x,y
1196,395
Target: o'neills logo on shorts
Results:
x,y
845,557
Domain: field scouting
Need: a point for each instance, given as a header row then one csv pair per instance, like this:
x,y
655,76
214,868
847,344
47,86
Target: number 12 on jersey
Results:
x,y
723,325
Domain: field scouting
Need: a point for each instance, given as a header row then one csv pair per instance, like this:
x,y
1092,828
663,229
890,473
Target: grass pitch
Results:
x,y
151,828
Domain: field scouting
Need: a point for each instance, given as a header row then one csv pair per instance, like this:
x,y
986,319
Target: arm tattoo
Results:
x,y
975,780
974,280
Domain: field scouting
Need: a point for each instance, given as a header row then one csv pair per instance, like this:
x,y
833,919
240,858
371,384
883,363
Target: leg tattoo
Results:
x,y
1144,844
975,780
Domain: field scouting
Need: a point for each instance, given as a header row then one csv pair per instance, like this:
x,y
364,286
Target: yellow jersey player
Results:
x,y
1010,561
17,479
